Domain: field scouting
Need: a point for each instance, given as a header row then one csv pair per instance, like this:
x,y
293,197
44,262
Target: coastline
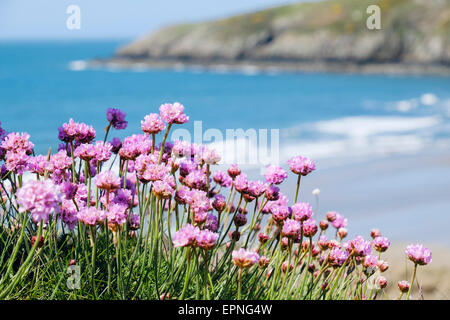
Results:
x,y
271,66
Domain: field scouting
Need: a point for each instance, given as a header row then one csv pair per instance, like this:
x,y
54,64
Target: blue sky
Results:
x,y
46,19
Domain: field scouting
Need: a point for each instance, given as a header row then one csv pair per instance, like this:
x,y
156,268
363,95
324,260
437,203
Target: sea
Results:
x,y
333,118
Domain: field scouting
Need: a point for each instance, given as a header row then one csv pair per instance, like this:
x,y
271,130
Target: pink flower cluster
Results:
x,y
190,236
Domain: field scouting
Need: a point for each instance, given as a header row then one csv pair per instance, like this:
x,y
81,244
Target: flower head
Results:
x,y
91,216
152,124
206,239
116,118
275,174
381,244
418,254
40,198
185,236
301,165
291,228
302,211
107,181
244,258
173,113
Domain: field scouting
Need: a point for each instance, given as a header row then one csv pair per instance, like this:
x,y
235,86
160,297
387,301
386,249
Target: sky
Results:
x,y
46,19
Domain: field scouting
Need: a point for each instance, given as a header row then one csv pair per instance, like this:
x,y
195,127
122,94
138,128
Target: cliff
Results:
x,y
328,35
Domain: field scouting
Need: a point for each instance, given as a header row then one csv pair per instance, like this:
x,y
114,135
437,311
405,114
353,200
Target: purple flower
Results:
x,y
222,179
256,188
134,221
418,254
272,193
173,113
182,195
116,118
301,165
40,198
212,223
275,174
219,203
196,180
69,190
116,145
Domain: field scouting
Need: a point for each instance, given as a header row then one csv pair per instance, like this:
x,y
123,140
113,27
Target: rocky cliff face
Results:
x,y
335,31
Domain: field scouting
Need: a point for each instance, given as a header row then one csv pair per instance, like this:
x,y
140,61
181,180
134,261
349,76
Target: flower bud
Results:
x,y
383,265
381,282
40,243
403,286
375,233
342,233
240,220
323,225
263,238
331,216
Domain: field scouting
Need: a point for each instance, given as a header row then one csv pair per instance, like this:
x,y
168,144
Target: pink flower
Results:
x,y
17,142
196,180
206,239
309,228
134,146
244,258
40,198
370,261
302,211
162,189
360,247
280,213
152,124
275,174
69,214
91,216
173,113
339,221
85,133
381,244
205,155
291,228
199,201
301,165
107,181
117,213
60,161
185,236
234,171
337,257
17,162
38,164
418,254
403,286
222,179
102,151
241,183
85,151
256,188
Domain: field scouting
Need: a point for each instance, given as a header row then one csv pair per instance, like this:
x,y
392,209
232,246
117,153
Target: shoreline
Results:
x,y
271,66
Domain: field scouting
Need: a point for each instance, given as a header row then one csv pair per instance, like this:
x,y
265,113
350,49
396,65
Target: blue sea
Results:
x,y
323,115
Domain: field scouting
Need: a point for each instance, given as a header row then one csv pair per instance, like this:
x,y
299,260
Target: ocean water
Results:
x,y
324,116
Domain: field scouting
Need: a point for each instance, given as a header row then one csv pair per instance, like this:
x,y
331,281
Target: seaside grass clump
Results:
x,y
138,219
